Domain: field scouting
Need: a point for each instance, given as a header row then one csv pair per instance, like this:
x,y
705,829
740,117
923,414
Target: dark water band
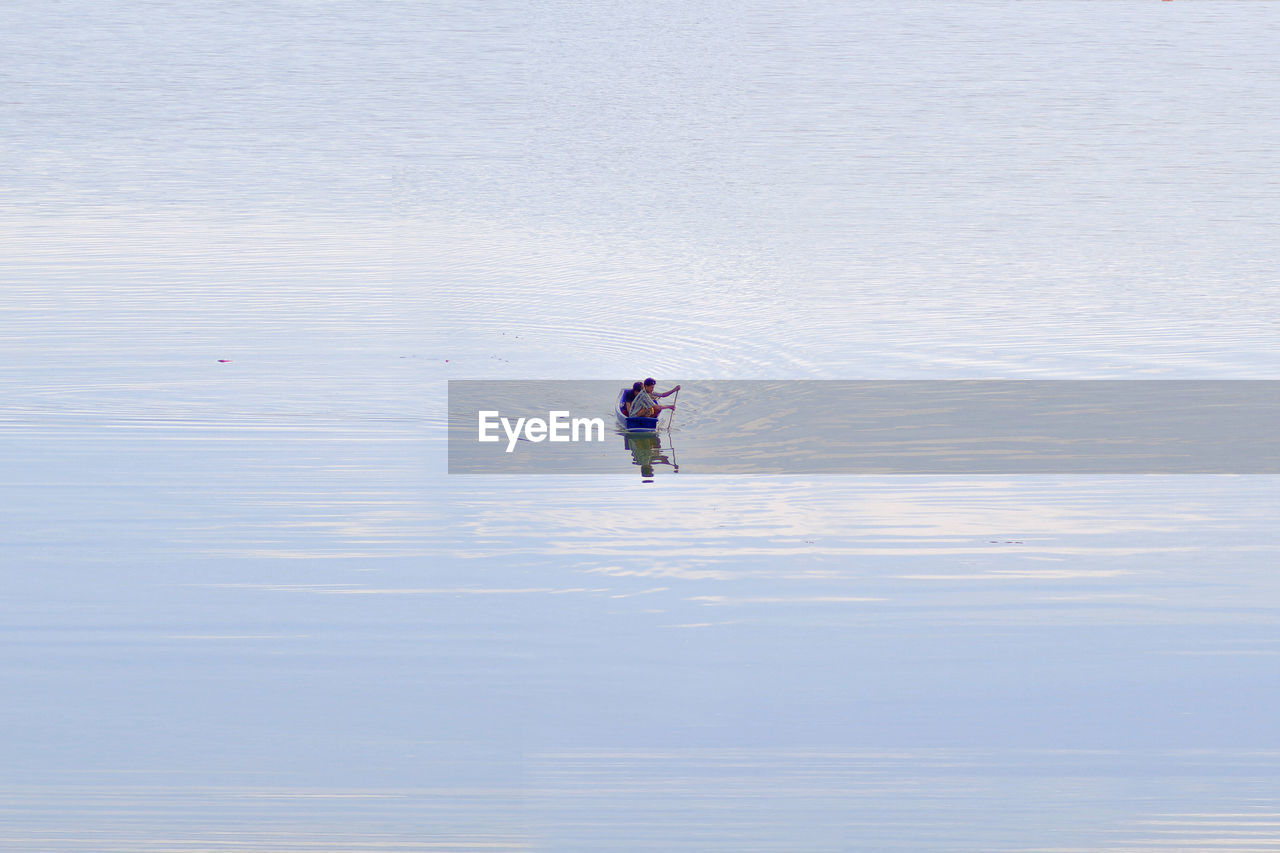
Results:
x,y
985,427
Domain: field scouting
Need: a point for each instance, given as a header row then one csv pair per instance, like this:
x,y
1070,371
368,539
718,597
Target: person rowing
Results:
x,y
645,403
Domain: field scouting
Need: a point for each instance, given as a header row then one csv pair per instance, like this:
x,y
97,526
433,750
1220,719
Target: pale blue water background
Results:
x,y
245,609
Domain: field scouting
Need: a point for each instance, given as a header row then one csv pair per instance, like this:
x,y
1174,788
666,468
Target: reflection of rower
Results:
x,y
646,451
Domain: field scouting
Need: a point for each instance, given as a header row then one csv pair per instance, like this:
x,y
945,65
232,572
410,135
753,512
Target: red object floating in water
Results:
x,y
224,361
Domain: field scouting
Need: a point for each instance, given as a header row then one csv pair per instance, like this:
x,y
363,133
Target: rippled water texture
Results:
x,y
244,608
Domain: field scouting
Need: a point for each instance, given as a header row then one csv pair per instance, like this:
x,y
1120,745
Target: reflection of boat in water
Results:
x,y
647,451
641,425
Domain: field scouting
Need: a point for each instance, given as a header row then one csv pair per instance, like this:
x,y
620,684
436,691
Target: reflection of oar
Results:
x,y
674,400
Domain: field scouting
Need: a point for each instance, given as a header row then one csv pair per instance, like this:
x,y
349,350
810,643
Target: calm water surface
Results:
x,y
246,609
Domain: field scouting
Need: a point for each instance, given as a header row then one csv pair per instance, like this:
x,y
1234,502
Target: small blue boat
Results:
x,y
632,424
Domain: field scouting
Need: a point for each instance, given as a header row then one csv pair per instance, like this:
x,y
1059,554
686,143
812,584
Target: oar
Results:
x,y
673,409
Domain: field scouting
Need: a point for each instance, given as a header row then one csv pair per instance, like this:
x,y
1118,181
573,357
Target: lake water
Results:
x,y
245,246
